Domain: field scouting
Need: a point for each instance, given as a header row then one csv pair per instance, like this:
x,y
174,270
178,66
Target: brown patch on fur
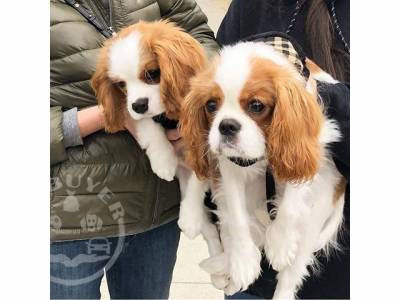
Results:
x,y
314,69
257,87
179,57
340,189
108,95
164,45
293,148
312,66
148,61
195,123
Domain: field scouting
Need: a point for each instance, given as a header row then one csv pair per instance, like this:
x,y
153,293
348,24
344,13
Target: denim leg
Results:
x,y
75,270
144,268
242,295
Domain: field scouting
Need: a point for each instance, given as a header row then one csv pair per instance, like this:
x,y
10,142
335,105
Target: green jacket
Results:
x,y
105,187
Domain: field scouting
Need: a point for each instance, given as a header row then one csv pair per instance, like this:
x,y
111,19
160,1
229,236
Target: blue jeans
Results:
x,y
242,295
141,270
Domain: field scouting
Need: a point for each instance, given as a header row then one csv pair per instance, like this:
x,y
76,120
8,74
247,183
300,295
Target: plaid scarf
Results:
x,y
287,46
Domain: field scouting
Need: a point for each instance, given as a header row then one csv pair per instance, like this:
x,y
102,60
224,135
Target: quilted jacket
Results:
x,y
105,187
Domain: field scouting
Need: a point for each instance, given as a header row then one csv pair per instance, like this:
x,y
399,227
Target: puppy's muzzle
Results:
x,y
141,105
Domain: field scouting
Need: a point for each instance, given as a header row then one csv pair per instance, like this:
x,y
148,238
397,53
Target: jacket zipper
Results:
x,y
110,8
156,203
100,17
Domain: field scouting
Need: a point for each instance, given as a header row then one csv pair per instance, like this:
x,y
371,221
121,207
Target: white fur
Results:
x,y
124,65
325,77
250,138
151,136
306,220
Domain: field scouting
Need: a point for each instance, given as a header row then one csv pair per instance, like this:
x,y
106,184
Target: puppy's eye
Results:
x,y
121,85
256,106
211,105
152,76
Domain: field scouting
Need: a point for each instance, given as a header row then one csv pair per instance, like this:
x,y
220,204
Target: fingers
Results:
x,y
173,135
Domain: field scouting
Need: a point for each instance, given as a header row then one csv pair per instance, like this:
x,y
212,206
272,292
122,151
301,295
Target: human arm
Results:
x,y
57,148
69,127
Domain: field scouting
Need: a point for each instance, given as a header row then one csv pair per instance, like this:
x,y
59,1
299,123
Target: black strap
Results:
x,y
165,122
104,30
271,191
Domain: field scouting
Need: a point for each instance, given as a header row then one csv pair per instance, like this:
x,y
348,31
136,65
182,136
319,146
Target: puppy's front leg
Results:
x,y
151,136
282,235
194,219
192,214
244,257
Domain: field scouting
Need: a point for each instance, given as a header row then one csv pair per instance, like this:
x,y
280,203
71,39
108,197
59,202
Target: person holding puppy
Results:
x,y
109,212
322,28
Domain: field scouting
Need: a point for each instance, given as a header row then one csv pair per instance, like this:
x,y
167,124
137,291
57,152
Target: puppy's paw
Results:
x,y
190,220
163,164
244,267
231,289
216,265
284,295
281,245
220,282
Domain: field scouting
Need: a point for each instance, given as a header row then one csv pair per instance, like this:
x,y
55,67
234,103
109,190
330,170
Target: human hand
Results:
x,y
175,138
90,120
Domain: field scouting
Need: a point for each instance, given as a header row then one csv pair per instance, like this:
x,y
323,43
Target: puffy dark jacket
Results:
x,y
105,187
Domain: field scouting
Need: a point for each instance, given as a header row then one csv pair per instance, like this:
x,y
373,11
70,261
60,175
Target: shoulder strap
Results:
x,y
104,30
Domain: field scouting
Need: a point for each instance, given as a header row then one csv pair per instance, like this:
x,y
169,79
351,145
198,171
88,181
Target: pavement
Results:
x,y
189,281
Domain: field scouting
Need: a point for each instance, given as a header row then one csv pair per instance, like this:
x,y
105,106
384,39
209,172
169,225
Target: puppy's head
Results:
x,y
251,104
146,67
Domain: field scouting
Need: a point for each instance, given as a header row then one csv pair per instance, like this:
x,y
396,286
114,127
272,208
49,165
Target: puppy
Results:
x,y
146,69
249,111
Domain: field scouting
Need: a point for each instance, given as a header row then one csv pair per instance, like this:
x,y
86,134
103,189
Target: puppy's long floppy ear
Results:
x,y
180,57
293,147
194,128
108,95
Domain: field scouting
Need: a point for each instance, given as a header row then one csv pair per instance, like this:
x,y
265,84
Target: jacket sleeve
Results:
x,y
188,15
57,148
336,99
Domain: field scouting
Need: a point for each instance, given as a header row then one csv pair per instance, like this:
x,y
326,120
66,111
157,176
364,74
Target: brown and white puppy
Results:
x,y
248,111
145,69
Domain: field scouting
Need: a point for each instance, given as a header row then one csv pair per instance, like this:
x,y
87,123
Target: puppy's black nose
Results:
x,y
229,127
141,105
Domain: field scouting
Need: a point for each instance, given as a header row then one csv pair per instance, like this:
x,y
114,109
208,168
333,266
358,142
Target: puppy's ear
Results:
x,y
194,127
108,95
180,57
292,139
